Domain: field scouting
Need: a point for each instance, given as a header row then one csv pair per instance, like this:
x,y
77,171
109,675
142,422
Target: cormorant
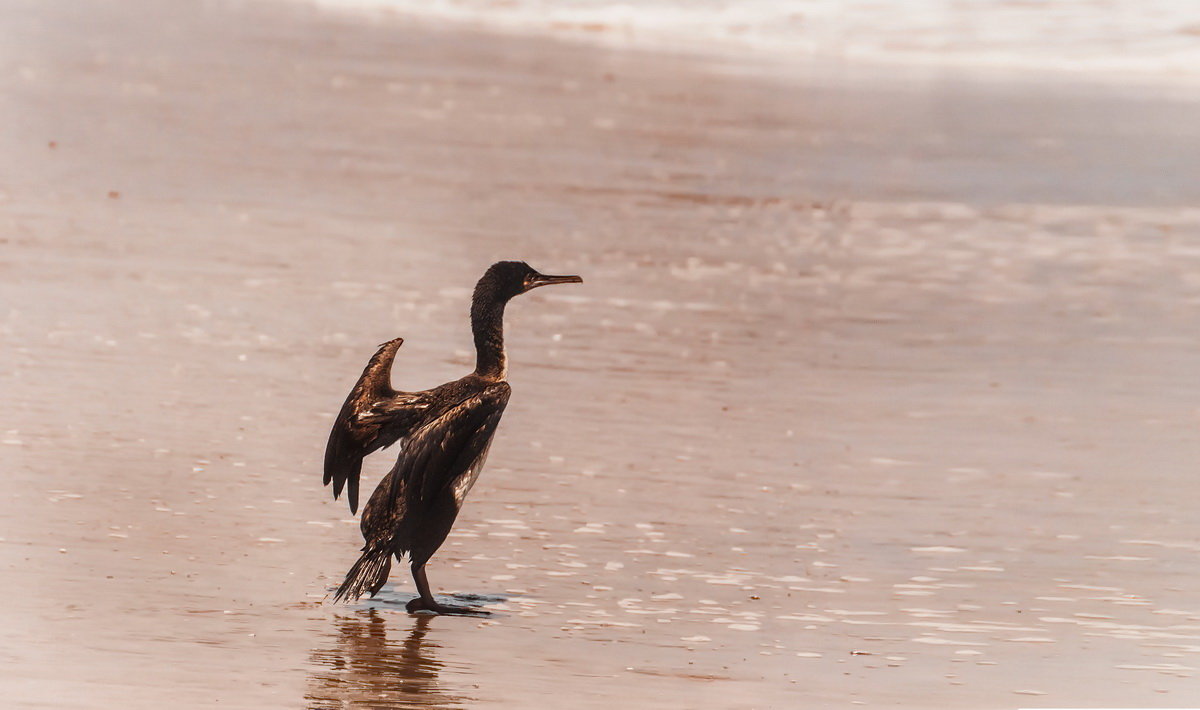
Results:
x,y
444,434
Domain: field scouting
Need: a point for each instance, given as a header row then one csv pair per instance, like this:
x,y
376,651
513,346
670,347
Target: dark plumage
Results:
x,y
444,435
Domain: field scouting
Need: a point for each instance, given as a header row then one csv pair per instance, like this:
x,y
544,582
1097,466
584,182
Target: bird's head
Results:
x,y
506,279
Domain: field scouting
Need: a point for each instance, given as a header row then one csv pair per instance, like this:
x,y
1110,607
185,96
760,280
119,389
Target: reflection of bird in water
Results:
x,y
444,434
365,669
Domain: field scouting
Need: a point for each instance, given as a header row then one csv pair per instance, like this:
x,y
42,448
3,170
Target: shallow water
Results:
x,y
843,412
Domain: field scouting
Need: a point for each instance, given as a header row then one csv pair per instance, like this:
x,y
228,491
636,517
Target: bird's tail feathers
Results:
x,y
368,574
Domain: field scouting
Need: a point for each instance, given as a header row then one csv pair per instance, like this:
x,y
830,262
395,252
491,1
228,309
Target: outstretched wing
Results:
x,y
374,416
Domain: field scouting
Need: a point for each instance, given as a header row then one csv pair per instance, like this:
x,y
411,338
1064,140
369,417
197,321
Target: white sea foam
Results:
x,y
1151,38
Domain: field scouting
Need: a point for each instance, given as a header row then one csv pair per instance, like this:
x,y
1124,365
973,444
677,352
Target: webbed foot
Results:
x,y
422,604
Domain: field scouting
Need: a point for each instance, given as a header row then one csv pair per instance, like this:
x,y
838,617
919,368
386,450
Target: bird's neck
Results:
x,y
487,324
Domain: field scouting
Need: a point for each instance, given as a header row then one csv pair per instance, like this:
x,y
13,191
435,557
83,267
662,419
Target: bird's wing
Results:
x,y
374,416
447,449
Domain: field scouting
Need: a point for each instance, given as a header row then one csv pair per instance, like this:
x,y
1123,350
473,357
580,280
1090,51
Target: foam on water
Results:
x,y
1151,38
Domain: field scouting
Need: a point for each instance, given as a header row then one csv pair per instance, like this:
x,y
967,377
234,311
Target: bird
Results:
x,y
443,435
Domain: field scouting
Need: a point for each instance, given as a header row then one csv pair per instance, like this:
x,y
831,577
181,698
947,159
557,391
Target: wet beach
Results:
x,y
880,388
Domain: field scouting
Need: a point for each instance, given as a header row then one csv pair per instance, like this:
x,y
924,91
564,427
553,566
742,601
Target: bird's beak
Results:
x,y
544,280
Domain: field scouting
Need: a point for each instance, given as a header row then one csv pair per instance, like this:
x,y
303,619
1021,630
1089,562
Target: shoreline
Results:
x,y
1049,141
812,64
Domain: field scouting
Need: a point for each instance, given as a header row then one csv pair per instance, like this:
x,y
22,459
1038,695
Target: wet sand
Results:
x,y
880,388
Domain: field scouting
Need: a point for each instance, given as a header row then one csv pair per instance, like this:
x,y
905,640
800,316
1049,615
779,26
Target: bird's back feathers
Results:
x,y
442,457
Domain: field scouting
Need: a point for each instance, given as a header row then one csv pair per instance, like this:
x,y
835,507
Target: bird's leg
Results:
x,y
426,602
